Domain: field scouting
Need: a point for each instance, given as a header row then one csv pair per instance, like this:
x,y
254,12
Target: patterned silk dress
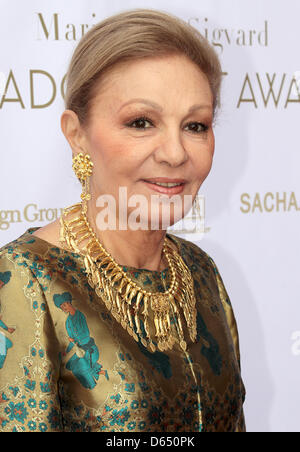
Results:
x,y
67,365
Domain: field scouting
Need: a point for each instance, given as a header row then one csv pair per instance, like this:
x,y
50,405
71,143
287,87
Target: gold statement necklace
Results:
x,y
118,291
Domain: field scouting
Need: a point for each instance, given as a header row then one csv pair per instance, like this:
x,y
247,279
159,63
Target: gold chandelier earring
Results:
x,y
83,168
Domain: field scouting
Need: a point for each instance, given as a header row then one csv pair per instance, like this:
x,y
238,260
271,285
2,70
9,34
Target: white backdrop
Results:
x,y
252,195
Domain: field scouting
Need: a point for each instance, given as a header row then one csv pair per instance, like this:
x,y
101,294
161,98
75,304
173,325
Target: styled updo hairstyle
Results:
x,y
130,35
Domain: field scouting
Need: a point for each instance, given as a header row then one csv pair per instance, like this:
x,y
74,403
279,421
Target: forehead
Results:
x,y
155,77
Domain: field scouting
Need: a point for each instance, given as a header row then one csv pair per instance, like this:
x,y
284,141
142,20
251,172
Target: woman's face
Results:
x,y
151,119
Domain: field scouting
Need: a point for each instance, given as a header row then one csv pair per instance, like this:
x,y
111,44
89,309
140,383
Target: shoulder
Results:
x,y
9,263
203,268
20,245
49,233
17,257
43,260
194,256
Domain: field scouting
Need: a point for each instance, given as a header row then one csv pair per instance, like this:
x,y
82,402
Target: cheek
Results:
x,y
202,162
113,153
107,155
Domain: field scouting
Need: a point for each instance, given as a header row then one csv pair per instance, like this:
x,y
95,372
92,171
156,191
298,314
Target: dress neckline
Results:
x,y
125,267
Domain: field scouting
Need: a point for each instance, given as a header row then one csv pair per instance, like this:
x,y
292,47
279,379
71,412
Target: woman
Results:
x,y
148,308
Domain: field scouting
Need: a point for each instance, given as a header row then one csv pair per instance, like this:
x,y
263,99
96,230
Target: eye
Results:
x,y
139,123
198,127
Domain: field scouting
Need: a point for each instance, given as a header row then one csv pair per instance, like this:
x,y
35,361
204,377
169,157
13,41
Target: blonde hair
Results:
x,y
129,35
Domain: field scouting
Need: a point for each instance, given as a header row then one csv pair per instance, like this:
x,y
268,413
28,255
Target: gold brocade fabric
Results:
x,y
66,365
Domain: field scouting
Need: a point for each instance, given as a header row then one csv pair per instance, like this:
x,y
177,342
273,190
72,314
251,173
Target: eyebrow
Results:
x,y
159,108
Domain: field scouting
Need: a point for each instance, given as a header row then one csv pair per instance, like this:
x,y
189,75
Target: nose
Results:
x,y
171,149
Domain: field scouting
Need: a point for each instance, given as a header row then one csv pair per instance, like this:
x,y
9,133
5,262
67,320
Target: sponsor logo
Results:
x,y
269,202
31,213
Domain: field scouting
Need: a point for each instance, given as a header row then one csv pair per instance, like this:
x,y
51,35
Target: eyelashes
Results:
x,y
142,119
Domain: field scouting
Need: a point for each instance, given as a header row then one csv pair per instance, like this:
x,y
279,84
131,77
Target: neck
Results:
x,y
137,249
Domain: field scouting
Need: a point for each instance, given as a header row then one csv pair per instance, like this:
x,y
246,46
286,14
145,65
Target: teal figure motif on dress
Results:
x,y
82,353
4,278
210,348
5,342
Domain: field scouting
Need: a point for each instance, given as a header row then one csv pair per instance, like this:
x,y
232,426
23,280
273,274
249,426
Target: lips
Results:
x,y
152,184
166,180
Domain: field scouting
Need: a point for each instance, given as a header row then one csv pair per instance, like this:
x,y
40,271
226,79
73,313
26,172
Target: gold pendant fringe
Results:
x,y
118,291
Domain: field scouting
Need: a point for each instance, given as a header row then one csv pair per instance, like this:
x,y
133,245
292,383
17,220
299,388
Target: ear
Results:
x,y
73,131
